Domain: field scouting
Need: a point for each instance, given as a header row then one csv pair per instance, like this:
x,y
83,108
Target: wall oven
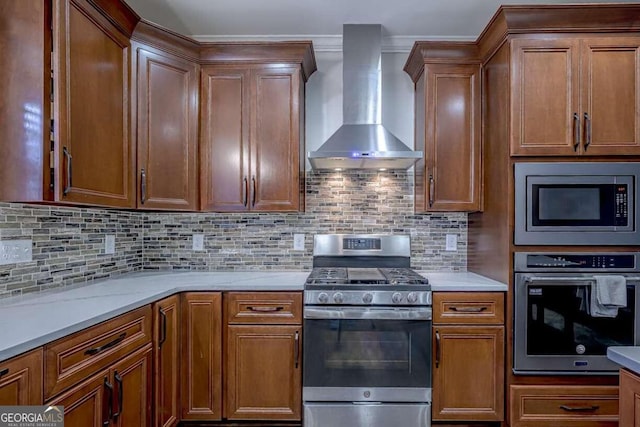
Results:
x,y
367,341
556,331
576,204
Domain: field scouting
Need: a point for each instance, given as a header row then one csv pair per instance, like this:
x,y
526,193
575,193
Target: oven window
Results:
x,y
559,324
367,353
575,205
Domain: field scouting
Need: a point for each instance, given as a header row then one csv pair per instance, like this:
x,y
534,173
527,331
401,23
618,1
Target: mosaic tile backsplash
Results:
x,y
68,243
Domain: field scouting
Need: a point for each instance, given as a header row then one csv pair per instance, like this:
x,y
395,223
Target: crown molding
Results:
x,y
332,43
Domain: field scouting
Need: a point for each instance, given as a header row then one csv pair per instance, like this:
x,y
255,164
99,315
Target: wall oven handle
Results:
x,y
437,348
296,349
356,313
531,279
579,408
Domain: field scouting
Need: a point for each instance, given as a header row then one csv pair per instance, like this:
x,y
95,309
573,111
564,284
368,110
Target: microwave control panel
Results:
x,y
622,206
623,261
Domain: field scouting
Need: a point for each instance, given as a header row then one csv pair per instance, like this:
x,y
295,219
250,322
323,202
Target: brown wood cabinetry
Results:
x,y
95,154
167,128
166,339
575,96
447,102
201,356
567,406
629,399
468,363
263,375
252,141
21,380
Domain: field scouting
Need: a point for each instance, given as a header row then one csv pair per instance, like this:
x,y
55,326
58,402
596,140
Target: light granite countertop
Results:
x,y
34,320
625,356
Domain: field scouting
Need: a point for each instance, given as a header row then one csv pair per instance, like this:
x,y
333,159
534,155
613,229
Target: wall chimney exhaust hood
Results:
x,y
362,142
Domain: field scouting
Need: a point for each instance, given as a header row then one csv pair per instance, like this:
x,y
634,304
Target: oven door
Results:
x,y
554,333
365,354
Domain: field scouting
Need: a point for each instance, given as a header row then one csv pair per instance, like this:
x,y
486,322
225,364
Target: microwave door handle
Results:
x,y
531,279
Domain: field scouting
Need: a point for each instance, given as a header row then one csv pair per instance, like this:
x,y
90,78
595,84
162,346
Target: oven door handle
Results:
x,y
355,313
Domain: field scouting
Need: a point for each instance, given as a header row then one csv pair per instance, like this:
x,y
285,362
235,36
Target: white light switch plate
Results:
x,y
15,251
110,244
452,242
198,242
298,242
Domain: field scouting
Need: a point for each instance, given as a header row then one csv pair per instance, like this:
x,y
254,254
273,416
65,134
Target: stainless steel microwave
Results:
x,y
576,203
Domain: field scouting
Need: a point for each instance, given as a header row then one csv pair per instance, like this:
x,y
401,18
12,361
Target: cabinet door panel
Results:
x,y
132,385
468,388
629,399
263,377
87,403
21,380
611,95
167,131
275,140
545,97
224,145
167,361
452,137
202,356
92,97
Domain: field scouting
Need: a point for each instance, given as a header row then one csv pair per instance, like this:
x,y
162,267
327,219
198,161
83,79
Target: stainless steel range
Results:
x,y
367,341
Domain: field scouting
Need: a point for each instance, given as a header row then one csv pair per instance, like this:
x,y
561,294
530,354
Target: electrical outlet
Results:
x,y
15,251
298,242
110,244
451,242
198,242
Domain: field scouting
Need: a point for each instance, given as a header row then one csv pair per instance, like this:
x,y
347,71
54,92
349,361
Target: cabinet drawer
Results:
x,y
567,406
263,307
72,359
468,307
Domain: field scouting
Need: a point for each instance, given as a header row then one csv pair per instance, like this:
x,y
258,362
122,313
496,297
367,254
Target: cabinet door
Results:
x,y
263,373
95,159
545,97
132,390
468,388
167,361
21,380
452,137
611,96
224,143
629,399
275,139
201,358
87,404
167,116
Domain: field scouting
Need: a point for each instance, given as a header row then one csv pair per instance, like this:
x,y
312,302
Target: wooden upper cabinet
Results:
x,y
451,125
95,152
252,138
575,96
167,127
21,380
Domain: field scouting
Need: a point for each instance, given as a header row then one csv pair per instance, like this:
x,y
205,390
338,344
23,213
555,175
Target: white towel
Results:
x,y
607,295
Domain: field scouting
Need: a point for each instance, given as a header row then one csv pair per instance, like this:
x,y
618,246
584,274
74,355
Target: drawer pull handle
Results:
x,y
108,345
579,408
163,328
296,349
4,372
265,309
437,348
119,392
468,309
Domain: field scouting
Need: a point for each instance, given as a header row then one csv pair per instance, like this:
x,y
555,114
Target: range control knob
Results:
x,y
367,298
412,297
338,297
323,298
396,297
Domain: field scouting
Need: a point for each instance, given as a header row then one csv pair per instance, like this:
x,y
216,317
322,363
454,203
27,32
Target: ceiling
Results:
x,y
212,20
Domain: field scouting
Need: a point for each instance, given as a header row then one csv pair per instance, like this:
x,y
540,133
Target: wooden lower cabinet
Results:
x,y
566,406
201,356
21,380
263,372
117,397
629,399
166,340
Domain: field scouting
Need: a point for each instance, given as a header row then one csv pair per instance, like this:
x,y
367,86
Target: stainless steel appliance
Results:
x,y
367,340
555,332
577,204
